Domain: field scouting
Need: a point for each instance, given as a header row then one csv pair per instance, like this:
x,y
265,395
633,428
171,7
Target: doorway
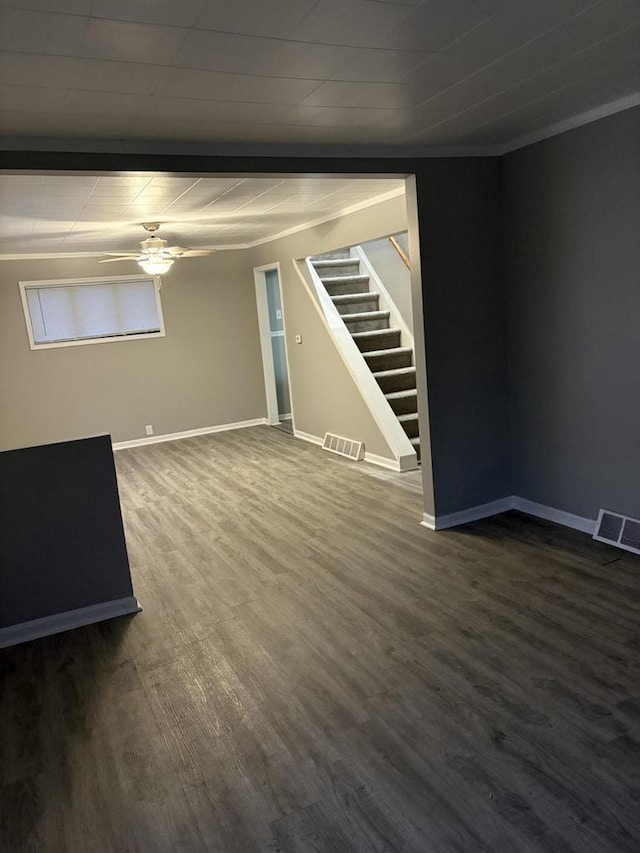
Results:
x,y
274,347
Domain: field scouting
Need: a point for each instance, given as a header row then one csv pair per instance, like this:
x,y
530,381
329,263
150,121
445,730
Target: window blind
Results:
x,y
92,310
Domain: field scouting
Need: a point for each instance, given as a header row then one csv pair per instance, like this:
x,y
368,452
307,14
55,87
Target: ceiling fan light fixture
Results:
x,y
156,266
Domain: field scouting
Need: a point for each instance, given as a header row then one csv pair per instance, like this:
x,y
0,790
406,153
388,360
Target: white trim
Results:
x,y
559,127
453,519
345,211
264,329
548,513
307,436
291,413
189,433
58,622
274,416
385,462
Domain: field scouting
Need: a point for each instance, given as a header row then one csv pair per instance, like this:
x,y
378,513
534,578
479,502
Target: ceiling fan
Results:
x,y
155,257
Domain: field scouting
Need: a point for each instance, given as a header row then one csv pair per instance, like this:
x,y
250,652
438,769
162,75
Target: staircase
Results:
x,y
390,363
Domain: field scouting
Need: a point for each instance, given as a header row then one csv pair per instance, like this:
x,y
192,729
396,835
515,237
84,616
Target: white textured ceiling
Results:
x,y
392,73
69,214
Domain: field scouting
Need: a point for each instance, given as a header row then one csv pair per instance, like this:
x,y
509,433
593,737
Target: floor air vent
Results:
x,y
343,446
618,530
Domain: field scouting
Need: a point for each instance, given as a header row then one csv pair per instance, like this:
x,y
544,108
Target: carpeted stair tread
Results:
x,y
409,423
388,359
399,395
375,352
395,379
336,254
375,339
372,334
397,371
366,315
344,279
403,402
327,263
346,298
367,321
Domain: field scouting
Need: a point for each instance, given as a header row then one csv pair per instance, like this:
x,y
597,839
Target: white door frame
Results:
x,y
273,415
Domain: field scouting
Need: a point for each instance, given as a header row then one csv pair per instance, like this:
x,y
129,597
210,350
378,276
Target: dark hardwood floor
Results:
x,y
314,671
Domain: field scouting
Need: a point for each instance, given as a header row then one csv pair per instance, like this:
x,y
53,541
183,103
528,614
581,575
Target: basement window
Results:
x,y
73,311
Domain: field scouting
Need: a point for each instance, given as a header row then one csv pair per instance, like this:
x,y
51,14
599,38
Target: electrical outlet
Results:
x,y
148,429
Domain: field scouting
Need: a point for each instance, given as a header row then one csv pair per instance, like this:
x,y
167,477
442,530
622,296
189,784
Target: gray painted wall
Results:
x,y
464,305
572,240
206,371
324,396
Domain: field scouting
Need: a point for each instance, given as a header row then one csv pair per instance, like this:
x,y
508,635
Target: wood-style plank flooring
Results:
x,y
314,671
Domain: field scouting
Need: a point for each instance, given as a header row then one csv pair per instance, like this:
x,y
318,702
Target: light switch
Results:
x,y
298,339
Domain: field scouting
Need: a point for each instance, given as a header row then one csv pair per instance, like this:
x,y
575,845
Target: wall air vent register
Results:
x,y
343,446
618,530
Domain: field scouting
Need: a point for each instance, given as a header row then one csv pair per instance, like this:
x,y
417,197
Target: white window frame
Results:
x,y
61,282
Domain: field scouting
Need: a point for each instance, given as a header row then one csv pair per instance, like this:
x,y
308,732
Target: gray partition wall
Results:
x,y
572,246
63,557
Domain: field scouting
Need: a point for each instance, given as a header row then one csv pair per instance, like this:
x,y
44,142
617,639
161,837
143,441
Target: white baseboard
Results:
x,y
59,622
428,521
307,436
567,519
549,513
382,461
442,522
190,433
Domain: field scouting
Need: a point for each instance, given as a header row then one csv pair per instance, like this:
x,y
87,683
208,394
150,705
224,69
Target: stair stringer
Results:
x,y
386,302
371,393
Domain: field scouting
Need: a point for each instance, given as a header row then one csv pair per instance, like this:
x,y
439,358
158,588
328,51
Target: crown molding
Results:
x,y
345,211
618,106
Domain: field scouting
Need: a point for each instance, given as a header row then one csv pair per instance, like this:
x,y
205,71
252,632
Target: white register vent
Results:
x,y
343,446
619,530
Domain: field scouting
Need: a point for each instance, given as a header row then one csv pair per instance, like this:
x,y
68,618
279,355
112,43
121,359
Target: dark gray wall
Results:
x,y
572,248
62,545
459,205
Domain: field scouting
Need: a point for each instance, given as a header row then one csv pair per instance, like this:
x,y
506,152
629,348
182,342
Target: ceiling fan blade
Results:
x,y
176,250
119,258
196,253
